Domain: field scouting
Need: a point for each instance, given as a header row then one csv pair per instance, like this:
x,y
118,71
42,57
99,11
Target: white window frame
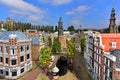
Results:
x,y
113,44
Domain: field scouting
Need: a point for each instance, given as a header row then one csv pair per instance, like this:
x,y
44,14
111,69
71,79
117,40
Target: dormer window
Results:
x,y
113,44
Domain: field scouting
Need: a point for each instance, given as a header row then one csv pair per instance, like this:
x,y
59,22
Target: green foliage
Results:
x,y
70,49
45,57
49,42
44,78
56,28
56,46
82,41
71,28
24,26
43,39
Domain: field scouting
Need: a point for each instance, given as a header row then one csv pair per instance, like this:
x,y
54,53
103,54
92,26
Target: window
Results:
x,y
12,51
0,59
105,60
1,71
106,70
0,48
6,60
6,49
110,63
28,56
6,72
13,62
110,75
113,45
21,49
21,58
14,73
22,70
27,47
100,60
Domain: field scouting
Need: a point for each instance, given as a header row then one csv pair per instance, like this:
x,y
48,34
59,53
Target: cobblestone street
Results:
x,y
80,68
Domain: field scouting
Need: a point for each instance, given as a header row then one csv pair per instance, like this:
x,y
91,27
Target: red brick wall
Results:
x,y
63,42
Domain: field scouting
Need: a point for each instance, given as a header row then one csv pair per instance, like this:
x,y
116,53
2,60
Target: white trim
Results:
x,y
111,57
117,69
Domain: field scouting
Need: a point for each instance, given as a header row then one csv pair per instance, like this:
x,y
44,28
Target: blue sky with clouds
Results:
x,y
88,13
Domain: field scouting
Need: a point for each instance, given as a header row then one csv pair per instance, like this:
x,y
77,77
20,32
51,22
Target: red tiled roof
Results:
x,y
107,39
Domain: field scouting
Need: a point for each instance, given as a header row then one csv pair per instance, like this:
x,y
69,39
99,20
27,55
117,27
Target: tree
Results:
x,y
49,41
82,41
71,28
70,53
70,49
56,46
45,57
43,39
56,28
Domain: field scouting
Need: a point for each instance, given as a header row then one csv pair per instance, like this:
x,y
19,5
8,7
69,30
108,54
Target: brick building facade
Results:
x,y
15,54
98,52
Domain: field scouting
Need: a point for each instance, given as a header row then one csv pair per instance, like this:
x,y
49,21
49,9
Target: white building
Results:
x,y
15,54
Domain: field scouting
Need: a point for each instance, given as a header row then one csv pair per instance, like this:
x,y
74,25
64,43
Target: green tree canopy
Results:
x,y
45,57
71,28
70,49
49,42
56,46
82,42
43,39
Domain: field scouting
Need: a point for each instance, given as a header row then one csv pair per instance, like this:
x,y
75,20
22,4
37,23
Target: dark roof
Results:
x,y
20,35
116,53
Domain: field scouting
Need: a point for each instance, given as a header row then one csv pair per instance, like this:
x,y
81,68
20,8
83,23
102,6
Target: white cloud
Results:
x,y
23,9
79,9
56,2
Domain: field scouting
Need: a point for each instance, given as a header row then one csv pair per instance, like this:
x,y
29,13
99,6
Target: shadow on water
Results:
x,y
62,65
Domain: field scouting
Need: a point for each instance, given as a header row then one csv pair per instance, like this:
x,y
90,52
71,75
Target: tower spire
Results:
x,y
60,27
112,25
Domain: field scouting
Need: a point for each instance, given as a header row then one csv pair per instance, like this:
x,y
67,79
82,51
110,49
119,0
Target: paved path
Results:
x,y
32,75
80,68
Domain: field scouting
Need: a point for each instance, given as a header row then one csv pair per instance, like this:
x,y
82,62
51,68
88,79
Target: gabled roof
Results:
x,y
108,38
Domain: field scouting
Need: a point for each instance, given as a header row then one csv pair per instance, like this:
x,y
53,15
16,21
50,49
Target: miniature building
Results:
x,y
15,54
60,27
34,36
99,53
62,40
9,21
112,25
112,65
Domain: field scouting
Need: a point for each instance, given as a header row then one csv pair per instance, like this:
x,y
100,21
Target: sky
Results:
x,y
88,13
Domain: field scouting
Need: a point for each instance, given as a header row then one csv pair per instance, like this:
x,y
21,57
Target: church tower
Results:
x,y
112,25
60,27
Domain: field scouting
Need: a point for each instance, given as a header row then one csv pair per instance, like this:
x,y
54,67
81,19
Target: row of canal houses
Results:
x,y
102,52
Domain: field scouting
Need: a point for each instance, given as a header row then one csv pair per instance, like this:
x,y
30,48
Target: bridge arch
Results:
x,y
62,64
